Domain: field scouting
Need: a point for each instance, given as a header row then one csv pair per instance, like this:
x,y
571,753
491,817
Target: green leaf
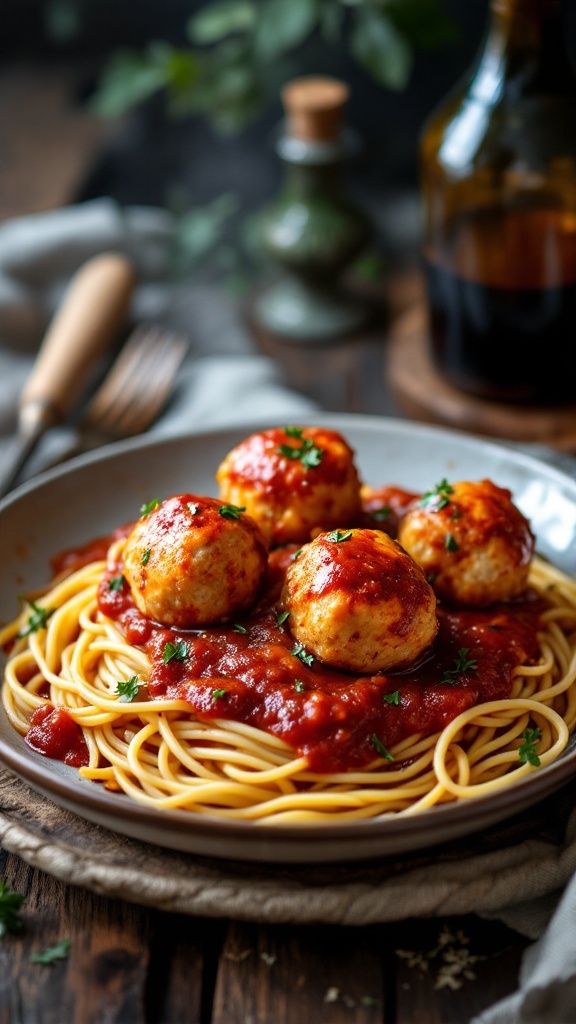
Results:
x,y
128,689
219,694
129,79
380,48
380,748
527,750
299,651
283,25
37,620
10,905
217,20
116,583
391,698
424,23
231,511
52,953
175,652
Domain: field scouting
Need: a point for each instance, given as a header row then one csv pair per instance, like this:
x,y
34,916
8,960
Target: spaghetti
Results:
x,y
177,737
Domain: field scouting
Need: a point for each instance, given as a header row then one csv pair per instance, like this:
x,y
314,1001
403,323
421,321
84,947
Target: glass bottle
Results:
x,y
498,173
312,231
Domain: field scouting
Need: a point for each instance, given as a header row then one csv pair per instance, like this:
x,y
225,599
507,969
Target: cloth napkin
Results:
x,y
225,380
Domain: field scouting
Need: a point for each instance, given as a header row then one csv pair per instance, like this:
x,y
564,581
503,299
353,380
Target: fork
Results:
x,y
136,388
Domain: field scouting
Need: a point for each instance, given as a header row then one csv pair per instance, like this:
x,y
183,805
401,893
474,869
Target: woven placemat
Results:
x,y
527,857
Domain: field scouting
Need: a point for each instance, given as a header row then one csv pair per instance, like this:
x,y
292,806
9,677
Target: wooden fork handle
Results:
x,y
92,311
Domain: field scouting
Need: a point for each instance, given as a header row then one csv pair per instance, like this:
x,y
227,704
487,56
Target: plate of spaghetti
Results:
x,y
298,643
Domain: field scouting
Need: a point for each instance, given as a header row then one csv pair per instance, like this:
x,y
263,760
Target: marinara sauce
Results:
x,y
251,671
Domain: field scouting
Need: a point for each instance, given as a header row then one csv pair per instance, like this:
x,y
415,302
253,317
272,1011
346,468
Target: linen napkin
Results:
x,y
226,381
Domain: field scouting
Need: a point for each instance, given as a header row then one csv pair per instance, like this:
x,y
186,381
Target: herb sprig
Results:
x,y
309,454
439,497
37,620
463,664
527,750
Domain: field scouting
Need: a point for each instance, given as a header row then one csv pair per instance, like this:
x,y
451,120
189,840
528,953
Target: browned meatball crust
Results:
x,y
193,561
358,602
473,543
293,481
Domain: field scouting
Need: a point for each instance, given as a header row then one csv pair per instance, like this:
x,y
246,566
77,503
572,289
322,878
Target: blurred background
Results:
x,y
174,103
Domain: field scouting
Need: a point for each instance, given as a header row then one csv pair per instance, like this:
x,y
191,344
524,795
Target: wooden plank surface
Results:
x,y
133,965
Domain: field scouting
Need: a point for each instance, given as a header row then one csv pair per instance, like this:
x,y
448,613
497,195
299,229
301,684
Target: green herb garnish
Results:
x,y
308,453
391,698
299,651
52,953
281,617
299,686
116,583
231,511
175,652
149,507
339,535
239,629
451,542
146,556
10,905
527,750
463,664
218,694
379,514
439,497
128,689
380,748
37,620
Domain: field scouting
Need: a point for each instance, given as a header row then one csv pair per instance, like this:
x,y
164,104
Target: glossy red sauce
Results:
x,y
330,716
53,733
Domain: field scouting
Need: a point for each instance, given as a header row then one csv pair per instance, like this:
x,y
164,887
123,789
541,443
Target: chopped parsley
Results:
x,y
219,694
51,953
128,689
527,750
299,686
116,583
451,543
175,652
239,629
146,556
149,507
308,453
339,535
37,620
439,497
299,651
281,617
463,664
391,698
380,514
380,748
231,511
10,905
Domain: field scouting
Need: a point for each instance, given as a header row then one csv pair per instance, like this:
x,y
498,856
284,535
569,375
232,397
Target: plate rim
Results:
x,y
32,767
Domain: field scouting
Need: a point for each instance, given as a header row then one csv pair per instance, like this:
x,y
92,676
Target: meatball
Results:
x,y
358,602
193,561
293,481
473,543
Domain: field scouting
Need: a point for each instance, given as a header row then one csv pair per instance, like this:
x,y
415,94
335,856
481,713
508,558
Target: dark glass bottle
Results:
x,y
498,165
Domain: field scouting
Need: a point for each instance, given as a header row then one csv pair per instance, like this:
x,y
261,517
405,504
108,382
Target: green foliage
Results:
x,y
240,52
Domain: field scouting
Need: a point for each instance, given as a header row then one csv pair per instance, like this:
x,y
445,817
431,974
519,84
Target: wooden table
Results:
x,y
134,965
128,963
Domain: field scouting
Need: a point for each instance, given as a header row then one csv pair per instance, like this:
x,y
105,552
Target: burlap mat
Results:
x,y
528,857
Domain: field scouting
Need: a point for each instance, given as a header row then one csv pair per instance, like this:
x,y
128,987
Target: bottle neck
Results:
x,y
527,38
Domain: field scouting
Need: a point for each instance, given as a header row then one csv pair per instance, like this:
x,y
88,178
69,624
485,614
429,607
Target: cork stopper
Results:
x,y
314,107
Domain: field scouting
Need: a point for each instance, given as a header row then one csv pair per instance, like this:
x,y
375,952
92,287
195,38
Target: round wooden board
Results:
x,y
531,855
422,393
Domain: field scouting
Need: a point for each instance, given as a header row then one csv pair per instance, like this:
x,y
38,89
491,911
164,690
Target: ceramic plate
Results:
x,y
90,496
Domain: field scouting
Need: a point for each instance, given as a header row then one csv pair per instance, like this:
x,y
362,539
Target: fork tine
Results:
x,y
139,383
162,369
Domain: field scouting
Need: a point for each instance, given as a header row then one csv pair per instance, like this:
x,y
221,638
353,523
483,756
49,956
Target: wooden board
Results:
x,y
422,394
